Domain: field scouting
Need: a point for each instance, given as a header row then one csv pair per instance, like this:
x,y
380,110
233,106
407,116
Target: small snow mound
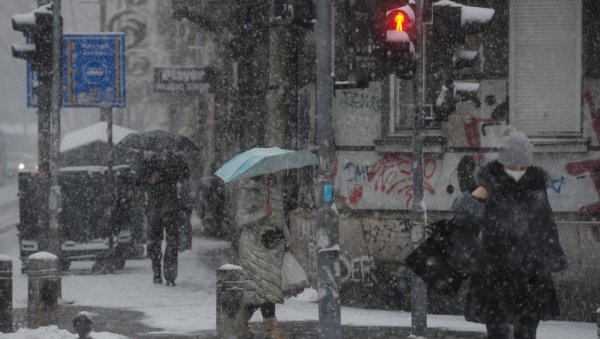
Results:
x,y
43,256
231,267
4,257
308,295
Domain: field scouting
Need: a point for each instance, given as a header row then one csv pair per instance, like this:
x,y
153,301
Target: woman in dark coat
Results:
x,y
514,283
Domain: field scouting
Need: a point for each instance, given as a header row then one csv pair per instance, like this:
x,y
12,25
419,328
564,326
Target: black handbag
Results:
x,y
448,256
272,238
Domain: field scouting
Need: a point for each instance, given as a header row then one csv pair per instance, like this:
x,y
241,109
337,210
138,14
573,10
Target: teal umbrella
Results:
x,y
261,161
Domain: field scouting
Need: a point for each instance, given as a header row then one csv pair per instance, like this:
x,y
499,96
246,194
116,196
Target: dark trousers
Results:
x,y
267,310
160,223
524,328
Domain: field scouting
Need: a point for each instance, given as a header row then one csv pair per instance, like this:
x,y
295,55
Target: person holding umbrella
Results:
x,y
262,242
262,229
160,175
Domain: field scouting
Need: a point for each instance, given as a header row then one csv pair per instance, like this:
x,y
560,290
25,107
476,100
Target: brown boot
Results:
x,y
272,330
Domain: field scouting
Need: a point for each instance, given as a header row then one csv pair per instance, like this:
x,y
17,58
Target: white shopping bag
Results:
x,y
293,277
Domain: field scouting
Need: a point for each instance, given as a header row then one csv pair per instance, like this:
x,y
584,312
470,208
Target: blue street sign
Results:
x,y
328,193
93,71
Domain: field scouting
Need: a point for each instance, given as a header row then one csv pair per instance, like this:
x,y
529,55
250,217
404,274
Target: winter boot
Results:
x,y
247,333
272,330
157,278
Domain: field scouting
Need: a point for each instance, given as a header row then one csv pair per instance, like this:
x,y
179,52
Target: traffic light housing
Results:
x,y
36,26
380,39
444,54
396,29
399,25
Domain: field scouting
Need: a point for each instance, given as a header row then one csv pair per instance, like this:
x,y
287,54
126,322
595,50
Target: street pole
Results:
x,y
328,265
417,222
107,111
102,4
55,196
44,145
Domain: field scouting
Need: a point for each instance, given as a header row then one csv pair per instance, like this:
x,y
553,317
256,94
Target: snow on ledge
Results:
x,y
231,267
4,257
43,256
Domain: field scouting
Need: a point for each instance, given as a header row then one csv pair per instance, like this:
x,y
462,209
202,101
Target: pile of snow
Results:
x,y
52,332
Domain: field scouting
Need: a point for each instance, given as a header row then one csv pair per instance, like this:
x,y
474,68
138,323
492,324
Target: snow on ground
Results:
x,y
190,306
52,332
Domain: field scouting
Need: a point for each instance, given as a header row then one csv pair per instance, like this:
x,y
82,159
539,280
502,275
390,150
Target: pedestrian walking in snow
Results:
x,y
262,243
514,285
160,175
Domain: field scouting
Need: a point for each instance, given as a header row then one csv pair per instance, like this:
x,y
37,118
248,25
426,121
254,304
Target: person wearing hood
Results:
x,y
513,285
262,241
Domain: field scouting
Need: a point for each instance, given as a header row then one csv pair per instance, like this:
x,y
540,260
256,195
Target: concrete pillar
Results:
x,y
44,288
230,302
6,292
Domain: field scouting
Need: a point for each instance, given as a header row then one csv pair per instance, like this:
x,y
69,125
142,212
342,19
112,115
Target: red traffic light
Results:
x,y
399,24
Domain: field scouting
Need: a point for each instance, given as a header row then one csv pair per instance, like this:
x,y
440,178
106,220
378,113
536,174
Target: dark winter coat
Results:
x,y
520,242
163,194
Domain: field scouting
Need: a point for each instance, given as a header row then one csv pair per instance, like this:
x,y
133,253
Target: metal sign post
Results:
x,y
54,194
107,112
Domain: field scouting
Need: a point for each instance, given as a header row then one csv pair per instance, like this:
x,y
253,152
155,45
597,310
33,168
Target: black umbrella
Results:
x,y
157,141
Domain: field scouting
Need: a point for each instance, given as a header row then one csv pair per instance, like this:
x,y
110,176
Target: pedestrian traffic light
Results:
x,y
380,39
37,29
399,25
444,54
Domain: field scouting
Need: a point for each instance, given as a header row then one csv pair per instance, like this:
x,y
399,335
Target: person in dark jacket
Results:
x,y
513,285
160,175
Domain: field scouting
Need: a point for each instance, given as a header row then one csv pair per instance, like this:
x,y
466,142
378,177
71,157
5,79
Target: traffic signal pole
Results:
x,y
328,265
418,288
54,194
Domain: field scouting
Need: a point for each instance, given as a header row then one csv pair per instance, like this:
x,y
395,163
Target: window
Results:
x,y
545,66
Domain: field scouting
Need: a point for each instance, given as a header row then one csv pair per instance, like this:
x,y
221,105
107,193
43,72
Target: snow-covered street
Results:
x,y
190,306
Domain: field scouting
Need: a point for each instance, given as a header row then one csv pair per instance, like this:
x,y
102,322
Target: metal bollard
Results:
x,y
230,302
598,322
82,324
6,294
43,289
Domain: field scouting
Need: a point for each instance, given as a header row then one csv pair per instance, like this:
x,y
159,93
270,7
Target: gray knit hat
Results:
x,y
515,148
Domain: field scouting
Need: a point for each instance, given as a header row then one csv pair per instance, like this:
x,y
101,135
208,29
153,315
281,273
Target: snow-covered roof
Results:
x,y
92,133
91,168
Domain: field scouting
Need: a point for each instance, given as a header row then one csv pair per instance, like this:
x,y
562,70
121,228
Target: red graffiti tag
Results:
x,y
592,167
471,129
393,173
356,195
591,107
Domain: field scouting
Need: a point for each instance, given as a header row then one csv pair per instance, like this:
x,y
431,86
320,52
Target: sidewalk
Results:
x,y
128,323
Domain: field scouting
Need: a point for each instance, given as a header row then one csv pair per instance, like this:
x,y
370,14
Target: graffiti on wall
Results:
x,y
361,100
592,167
590,106
392,174
357,269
